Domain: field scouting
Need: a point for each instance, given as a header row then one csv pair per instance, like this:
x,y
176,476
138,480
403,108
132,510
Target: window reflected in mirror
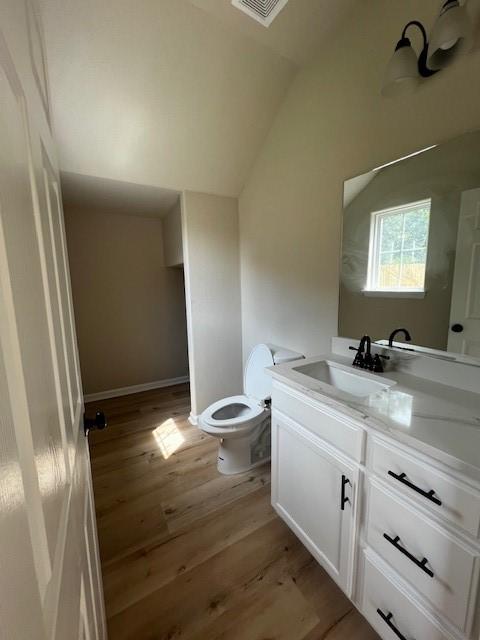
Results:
x,y
397,254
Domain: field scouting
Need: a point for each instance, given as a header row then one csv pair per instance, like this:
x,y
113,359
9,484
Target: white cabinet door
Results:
x,y
314,490
50,587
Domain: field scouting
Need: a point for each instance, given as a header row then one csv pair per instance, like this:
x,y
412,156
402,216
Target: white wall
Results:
x,y
212,288
172,236
333,125
159,92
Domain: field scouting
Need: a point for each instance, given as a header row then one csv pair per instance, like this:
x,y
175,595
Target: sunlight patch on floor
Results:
x,y
168,437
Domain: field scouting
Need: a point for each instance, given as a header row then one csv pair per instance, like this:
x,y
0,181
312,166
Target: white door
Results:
x,y
464,331
314,491
50,585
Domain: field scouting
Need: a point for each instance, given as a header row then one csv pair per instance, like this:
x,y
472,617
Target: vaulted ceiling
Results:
x,y
177,94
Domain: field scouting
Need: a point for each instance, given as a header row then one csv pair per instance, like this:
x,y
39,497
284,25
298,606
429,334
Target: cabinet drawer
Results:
x,y
446,496
439,566
389,610
340,433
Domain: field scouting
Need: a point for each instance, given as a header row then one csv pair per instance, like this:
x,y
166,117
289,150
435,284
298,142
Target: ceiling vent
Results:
x,y
264,11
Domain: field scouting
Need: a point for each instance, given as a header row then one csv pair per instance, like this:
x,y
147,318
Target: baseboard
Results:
x,y
136,388
193,419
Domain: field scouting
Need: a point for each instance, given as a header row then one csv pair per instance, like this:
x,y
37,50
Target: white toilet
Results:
x,y
243,422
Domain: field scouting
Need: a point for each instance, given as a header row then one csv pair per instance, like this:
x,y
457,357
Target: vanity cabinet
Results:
x,y
314,489
395,528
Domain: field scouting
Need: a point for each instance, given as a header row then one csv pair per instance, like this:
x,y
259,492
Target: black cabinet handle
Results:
x,y
430,495
344,499
387,618
457,327
420,563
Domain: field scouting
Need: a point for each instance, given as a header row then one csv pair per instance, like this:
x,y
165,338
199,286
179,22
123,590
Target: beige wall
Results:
x,y
172,236
129,308
333,125
212,284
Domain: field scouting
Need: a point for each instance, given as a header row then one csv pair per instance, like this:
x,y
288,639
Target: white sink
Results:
x,y
360,385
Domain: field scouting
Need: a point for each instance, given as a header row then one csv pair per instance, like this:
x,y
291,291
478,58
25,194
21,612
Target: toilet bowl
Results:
x,y
242,423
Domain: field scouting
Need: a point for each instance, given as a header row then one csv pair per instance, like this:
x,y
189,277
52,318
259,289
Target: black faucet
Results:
x,y
361,360
366,341
367,361
405,332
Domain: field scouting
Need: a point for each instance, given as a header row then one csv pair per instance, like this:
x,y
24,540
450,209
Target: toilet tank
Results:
x,y
281,355
256,381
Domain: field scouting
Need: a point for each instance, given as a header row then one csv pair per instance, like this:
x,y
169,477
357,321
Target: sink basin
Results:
x,y
360,385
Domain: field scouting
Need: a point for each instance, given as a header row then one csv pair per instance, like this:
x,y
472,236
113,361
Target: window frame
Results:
x,y
372,288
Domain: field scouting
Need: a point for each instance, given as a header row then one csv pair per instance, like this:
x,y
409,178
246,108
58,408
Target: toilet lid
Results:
x,y
257,383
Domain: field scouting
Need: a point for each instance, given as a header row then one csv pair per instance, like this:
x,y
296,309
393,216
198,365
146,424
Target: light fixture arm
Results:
x,y
423,70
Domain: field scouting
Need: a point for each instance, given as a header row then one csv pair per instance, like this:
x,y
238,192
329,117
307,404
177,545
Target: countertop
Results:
x,y
435,419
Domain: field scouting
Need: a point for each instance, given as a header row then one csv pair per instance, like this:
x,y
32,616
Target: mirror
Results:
x,y
411,250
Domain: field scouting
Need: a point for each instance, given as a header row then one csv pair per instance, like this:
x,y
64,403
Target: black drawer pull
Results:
x,y
420,563
344,499
430,495
387,618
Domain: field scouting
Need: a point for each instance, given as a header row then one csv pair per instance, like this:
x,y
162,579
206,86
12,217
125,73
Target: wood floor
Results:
x,y
190,554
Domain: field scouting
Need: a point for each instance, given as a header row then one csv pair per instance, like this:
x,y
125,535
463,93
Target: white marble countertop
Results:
x,y
438,420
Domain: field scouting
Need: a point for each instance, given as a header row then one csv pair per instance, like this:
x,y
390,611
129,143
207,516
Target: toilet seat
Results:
x,y
250,413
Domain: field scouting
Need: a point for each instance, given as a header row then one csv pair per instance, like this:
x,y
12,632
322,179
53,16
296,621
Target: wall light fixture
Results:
x,y
451,35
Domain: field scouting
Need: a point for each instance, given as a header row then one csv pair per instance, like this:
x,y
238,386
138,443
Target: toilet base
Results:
x,y
236,455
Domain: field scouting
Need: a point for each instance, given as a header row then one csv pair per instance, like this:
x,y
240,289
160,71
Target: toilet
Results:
x,y
242,423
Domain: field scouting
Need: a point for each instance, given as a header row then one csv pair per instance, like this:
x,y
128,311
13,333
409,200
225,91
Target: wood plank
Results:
x,y
192,600
323,594
130,526
189,469
187,507
278,611
127,450
132,578
137,420
353,625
